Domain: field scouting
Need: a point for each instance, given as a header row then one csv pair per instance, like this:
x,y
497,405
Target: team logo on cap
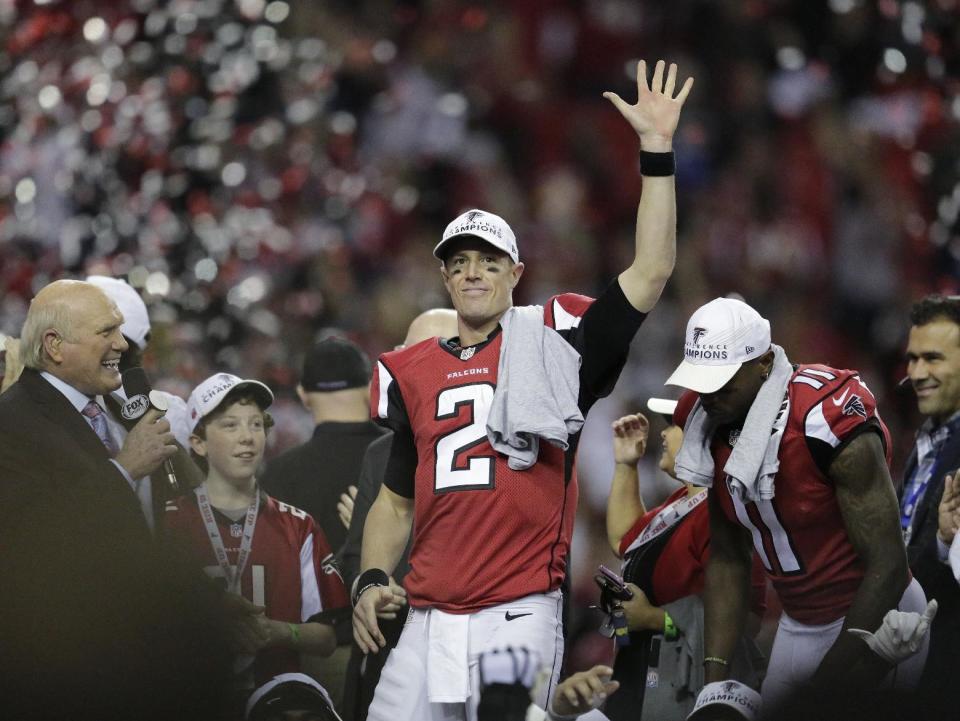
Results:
x,y
698,333
473,215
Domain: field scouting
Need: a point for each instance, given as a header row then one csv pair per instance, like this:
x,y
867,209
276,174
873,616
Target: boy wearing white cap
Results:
x,y
486,425
268,552
797,457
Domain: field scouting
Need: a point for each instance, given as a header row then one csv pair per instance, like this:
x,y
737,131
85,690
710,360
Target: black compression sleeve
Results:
x,y
402,464
608,326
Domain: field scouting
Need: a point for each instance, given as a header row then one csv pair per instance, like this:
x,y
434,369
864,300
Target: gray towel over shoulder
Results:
x,y
538,386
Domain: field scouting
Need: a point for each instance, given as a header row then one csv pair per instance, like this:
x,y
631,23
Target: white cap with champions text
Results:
x,y
486,226
208,395
721,336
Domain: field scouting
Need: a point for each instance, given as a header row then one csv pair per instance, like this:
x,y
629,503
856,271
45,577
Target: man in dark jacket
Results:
x,y
334,387
933,367
95,624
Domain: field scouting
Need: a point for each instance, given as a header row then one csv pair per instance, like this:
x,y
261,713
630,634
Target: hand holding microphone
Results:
x,y
149,441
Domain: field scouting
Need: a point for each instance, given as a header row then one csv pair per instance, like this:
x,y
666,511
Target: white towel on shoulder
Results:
x,y
754,462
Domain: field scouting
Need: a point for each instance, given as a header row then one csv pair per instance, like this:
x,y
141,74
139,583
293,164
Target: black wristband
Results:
x,y
657,165
370,577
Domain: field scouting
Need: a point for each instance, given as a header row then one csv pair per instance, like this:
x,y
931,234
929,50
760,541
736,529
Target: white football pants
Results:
x,y
798,649
533,622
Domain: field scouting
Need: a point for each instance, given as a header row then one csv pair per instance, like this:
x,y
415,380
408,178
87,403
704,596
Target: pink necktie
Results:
x,y
98,420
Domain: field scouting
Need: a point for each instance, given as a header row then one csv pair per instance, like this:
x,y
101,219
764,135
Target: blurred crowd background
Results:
x,y
267,172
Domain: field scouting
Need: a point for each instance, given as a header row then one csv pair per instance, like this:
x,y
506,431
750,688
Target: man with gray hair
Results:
x,y
86,610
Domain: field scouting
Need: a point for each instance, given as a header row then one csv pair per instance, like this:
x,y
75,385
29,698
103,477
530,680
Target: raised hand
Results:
x,y
656,113
630,438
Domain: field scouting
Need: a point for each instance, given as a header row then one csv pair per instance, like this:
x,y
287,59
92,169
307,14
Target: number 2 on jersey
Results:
x,y
470,402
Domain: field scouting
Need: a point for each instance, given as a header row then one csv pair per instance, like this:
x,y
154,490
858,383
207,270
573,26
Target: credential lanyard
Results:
x,y
213,533
668,518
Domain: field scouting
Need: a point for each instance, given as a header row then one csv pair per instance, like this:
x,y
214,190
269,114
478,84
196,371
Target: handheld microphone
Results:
x,y
140,398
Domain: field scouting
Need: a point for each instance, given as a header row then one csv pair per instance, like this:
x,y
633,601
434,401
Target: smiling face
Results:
x,y
232,441
933,366
86,353
480,280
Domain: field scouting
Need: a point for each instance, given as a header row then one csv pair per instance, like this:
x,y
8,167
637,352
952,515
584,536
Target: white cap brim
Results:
x,y
702,378
490,239
663,406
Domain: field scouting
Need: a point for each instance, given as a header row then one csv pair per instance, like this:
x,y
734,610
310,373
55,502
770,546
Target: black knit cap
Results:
x,y
335,364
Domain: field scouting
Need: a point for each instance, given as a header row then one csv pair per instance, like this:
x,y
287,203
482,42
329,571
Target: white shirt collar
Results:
x,y
77,399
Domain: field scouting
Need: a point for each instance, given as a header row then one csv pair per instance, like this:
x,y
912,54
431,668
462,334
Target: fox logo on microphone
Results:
x,y
135,407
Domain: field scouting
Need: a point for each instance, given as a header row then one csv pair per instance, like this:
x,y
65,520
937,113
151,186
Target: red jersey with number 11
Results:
x,y
800,535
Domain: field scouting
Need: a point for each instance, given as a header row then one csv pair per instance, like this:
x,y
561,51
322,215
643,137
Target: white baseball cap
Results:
x,y
662,406
208,395
486,226
286,689
721,336
136,321
730,694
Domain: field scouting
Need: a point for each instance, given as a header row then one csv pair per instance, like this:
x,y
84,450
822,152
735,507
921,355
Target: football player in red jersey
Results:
x,y
490,535
797,456
269,553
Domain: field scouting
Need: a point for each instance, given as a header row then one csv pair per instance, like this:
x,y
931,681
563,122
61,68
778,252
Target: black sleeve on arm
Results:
x,y
823,453
606,330
402,465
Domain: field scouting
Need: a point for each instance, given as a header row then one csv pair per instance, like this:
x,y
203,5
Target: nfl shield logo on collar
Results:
x,y
236,530
467,353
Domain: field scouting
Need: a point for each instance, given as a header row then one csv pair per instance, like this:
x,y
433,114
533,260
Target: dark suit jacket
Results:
x,y
935,577
312,476
95,623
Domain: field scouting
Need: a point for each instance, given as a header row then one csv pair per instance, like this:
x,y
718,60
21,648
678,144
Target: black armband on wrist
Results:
x,y
369,578
657,165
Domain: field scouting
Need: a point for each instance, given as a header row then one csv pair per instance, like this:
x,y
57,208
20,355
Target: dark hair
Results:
x,y
936,307
243,396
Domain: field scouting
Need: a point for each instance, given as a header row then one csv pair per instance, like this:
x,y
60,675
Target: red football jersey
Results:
x,y
290,570
483,534
799,535
681,565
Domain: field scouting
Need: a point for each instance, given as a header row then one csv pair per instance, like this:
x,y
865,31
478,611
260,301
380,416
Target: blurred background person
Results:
x,y
664,552
335,387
